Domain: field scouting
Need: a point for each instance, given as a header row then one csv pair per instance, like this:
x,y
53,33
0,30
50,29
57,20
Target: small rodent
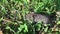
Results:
x,y
37,17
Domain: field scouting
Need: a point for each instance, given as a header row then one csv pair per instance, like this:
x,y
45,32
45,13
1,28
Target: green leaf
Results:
x,y
7,27
20,28
26,28
46,29
1,19
45,1
3,10
58,22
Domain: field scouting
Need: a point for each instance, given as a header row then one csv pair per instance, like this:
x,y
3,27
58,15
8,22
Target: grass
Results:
x,y
13,20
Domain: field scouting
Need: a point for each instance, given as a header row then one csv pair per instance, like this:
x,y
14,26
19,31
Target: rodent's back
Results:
x,y
43,18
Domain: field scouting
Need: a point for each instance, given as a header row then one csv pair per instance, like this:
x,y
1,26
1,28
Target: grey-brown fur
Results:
x,y
37,17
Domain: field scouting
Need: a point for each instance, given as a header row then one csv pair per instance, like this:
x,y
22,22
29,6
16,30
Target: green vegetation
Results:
x,y
13,20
